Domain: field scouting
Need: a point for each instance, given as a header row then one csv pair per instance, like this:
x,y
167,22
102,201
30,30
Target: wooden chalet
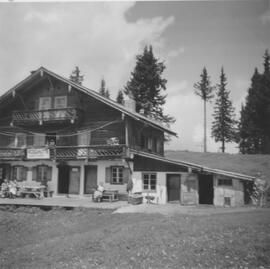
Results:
x,y
69,137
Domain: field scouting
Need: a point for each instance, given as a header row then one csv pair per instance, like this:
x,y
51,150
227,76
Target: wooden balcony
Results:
x,y
65,153
12,153
63,115
88,152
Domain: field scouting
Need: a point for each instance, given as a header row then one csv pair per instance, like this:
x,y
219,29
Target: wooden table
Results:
x,y
110,195
36,191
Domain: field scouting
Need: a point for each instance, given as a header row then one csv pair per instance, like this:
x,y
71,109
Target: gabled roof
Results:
x,y
92,93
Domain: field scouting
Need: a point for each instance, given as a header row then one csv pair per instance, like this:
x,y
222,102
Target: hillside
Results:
x,y
253,165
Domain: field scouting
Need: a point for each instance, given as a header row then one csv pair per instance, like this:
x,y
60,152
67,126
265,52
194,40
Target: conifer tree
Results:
x,y
204,89
76,76
147,85
254,123
102,89
107,94
120,98
224,124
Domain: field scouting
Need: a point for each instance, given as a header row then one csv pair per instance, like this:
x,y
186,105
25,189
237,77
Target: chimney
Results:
x,y
130,103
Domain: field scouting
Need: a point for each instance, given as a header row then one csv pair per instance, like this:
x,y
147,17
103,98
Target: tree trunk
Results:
x,y
204,141
223,146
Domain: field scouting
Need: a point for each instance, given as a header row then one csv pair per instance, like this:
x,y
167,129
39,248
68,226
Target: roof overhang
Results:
x,y
194,167
39,73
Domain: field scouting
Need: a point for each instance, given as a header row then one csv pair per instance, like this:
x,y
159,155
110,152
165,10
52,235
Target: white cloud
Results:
x,y
175,53
95,36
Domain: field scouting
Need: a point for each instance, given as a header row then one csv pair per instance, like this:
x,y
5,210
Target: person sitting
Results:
x,y
12,189
4,189
97,196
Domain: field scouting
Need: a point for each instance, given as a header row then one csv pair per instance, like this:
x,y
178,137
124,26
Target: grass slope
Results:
x,y
253,165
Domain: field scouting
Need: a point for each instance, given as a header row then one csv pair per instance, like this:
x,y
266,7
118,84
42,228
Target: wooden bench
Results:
x,y
110,196
36,194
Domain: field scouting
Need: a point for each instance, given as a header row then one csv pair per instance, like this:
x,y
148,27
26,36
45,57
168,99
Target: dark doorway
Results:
x,y
173,187
63,179
4,172
206,189
90,176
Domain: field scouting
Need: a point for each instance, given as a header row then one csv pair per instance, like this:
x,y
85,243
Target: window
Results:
x,y
117,175
60,102
20,140
43,173
45,103
149,181
1,173
225,182
19,173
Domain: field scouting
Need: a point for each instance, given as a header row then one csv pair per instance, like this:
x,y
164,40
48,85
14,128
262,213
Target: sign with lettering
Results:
x,y
38,153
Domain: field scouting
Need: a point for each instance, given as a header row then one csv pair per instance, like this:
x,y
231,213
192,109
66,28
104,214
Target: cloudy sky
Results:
x,y
102,38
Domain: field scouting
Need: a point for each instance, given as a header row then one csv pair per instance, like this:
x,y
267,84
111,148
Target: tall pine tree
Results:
x,y
147,85
120,98
76,76
204,89
102,89
224,124
254,123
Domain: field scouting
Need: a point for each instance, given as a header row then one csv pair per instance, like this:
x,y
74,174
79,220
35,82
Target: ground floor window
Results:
x,y
117,175
149,181
42,173
225,182
19,173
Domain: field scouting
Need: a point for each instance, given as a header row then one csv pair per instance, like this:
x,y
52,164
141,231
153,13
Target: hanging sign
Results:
x,y
38,153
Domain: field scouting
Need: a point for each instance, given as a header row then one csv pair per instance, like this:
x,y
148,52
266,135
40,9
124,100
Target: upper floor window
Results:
x,y
60,102
45,103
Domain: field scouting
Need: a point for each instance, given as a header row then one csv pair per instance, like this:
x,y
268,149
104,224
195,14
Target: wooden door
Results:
x,y
90,179
173,187
206,189
63,179
74,180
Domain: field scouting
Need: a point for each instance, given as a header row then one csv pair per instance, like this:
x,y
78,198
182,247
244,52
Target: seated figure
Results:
x,y
97,196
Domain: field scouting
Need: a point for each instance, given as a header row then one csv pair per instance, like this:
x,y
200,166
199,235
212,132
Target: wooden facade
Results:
x,y
71,138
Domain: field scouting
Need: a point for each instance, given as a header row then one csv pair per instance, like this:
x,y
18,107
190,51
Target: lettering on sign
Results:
x,y
38,153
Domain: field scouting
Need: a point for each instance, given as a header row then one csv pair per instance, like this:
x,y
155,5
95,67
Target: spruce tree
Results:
x,y
76,76
107,94
147,86
224,124
102,89
204,89
254,123
120,98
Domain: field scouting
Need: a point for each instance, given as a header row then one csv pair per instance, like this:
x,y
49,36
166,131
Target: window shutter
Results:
x,y
126,175
108,175
14,170
34,173
24,173
30,140
49,173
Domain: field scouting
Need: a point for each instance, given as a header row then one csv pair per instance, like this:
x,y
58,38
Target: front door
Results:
x,y
4,172
173,187
206,189
63,179
74,180
90,176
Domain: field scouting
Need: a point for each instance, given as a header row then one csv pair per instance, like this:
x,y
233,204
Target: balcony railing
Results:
x,y
46,116
65,153
12,153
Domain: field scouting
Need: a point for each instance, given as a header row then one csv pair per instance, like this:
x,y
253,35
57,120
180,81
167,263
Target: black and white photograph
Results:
x,y
135,134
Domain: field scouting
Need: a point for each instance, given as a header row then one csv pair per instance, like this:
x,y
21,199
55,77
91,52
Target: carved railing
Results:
x,y
88,152
11,153
40,116
66,152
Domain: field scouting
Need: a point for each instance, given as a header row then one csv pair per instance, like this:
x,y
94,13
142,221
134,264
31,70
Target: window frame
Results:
x,y
224,182
117,181
21,178
60,97
149,184
49,98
